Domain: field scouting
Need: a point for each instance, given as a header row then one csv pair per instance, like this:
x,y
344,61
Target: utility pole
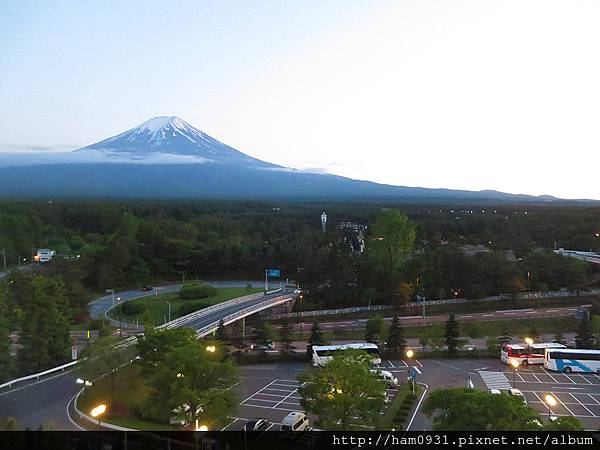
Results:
x,y
4,256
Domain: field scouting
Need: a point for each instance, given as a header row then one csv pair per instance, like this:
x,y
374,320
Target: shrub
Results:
x,y
196,290
80,318
131,308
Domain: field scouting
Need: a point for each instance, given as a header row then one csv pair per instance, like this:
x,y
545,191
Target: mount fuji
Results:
x,y
166,158
169,135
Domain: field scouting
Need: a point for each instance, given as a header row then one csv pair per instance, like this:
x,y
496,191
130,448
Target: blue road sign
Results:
x,y
273,272
413,373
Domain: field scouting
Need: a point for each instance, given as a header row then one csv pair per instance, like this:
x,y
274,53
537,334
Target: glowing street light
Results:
x,y
515,364
211,348
98,411
529,341
550,402
409,353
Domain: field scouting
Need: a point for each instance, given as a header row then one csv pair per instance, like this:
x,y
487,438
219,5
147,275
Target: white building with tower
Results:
x,y
324,222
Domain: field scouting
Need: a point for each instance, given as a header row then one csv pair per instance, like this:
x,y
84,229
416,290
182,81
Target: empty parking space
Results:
x,y
577,394
278,394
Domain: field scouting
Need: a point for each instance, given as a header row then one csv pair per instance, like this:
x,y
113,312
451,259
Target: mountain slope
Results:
x,y
165,157
170,135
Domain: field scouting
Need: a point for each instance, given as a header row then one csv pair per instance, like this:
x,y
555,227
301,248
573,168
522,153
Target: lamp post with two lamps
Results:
x,y
550,401
515,365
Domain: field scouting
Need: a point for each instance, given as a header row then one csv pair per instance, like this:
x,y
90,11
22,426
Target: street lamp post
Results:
x,y
301,317
550,401
409,355
529,341
169,305
515,364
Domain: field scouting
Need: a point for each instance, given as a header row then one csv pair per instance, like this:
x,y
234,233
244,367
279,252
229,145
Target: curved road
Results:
x,y
45,401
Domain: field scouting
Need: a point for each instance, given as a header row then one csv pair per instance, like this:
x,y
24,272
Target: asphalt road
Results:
x,y
99,306
44,401
41,402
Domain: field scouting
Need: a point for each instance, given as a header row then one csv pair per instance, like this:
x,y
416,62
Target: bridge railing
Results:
x,y
207,329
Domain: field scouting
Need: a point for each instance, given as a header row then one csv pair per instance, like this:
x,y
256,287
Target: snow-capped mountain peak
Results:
x,y
169,135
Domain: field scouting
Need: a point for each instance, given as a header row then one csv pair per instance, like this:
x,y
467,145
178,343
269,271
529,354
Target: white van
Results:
x,y
388,377
294,421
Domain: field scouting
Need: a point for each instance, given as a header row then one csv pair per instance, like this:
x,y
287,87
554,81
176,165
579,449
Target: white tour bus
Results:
x,y
322,354
526,354
572,360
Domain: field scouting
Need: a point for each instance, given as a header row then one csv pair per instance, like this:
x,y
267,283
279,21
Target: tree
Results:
x,y
533,334
396,342
315,338
392,239
45,337
103,358
197,387
451,334
285,334
505,336
344,393
596,330
460,409
154,344
221,333
403,295
560,338
584,337
375,330
7,361
264,333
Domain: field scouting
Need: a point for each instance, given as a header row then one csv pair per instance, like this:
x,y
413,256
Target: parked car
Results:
x,y
294,421
388,377
495,391
518,394
256,425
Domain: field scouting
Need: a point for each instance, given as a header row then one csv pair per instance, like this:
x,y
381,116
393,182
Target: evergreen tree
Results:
x,y
451,334
315,338
221,333
7,362
396,342
533,334
285,335
505,336
584,337
559,338
375,330
45,336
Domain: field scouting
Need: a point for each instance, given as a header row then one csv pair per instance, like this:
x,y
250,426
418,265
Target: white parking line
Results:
x,y
244,401
593,398
227,426
585,379
561,402
550,375
520,377
569,378
295,390
577,400
536,377
391,363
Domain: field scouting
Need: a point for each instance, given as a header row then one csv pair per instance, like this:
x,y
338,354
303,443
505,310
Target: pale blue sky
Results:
x,y
463,94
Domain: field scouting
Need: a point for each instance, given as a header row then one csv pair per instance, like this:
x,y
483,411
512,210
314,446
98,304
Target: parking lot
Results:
x,y
577,394
271,391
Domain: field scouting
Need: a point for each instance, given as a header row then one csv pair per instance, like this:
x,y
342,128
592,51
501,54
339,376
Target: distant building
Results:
x,y
324,222
354,234
44,255
470,250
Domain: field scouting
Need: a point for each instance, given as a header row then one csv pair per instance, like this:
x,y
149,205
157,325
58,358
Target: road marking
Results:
x,y
587,409
268,407
520,377
244,401
227,426
69,415
295,390
562,403
536,377
404,362
495,380
585,379
593,398
418,404
569,378
487,315
390,363
550,375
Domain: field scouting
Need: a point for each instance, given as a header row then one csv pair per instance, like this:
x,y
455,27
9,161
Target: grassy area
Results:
x,y
153,309
391,413
123,398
